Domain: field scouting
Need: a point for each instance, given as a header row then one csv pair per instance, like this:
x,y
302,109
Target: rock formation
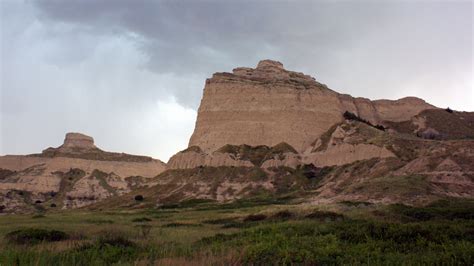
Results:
x,y
268,105
274,130
75,174
77,141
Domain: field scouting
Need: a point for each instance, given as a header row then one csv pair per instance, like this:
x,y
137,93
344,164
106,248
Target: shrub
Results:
x,y
325,216
461,211
181,225
31,236
380,127
99,221
141,220
351,116
310,171
356,203
255,218
110,248
220,221
38,202
283,215
53,205
449,110
139,198
114,239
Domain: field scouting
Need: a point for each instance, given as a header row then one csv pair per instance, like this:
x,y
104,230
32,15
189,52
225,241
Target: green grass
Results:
x,y
258,232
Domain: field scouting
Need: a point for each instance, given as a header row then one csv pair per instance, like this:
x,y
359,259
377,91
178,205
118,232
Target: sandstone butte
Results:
x,y
75,174
269,105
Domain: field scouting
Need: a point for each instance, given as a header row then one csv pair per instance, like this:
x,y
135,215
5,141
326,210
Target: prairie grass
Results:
x,y
258,234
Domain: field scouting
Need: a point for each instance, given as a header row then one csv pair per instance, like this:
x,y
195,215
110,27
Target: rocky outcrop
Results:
x,y
54,172
77,141
437,124
342,144
268,105
234,156
192,159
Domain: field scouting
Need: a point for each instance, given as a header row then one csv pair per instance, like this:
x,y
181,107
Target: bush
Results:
x,y
141,220
220,221
110,248
449,110
99,221
354,242
461,211
53,205
114,239
31,236
351,116
310,171
139,198
283,215
181,225
325,216
255,218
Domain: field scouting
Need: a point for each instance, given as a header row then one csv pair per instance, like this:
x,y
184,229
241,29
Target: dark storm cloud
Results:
x,y
357,46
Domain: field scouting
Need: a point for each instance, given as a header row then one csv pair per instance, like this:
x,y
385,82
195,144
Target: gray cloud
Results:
x,y
98,65
369,48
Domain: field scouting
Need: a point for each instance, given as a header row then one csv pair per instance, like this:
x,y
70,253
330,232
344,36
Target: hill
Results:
x,y
73,175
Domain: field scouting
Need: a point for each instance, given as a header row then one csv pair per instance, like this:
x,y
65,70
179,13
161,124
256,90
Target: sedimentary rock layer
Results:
x,y
73,175
269,105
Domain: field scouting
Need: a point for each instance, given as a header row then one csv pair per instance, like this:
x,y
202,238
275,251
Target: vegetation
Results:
x,y
440,124
246,232
258,154
351,116
92,154
450,125
138,198
34,236
141,220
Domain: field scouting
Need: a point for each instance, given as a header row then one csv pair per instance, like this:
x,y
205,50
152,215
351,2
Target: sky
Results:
x,y
131,73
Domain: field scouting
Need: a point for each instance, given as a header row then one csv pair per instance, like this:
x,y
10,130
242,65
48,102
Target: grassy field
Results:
x,y
244,232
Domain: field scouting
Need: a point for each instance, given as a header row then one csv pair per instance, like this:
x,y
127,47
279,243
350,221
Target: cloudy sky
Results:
x,y
130,73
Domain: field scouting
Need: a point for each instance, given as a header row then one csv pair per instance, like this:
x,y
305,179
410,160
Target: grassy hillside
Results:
x,y
446,124
258,232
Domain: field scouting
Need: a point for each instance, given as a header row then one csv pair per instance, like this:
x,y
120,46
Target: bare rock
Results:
x,y
78,140
268,104
77,171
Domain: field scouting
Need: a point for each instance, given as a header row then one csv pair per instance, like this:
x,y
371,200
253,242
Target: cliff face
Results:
x,y
269,105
